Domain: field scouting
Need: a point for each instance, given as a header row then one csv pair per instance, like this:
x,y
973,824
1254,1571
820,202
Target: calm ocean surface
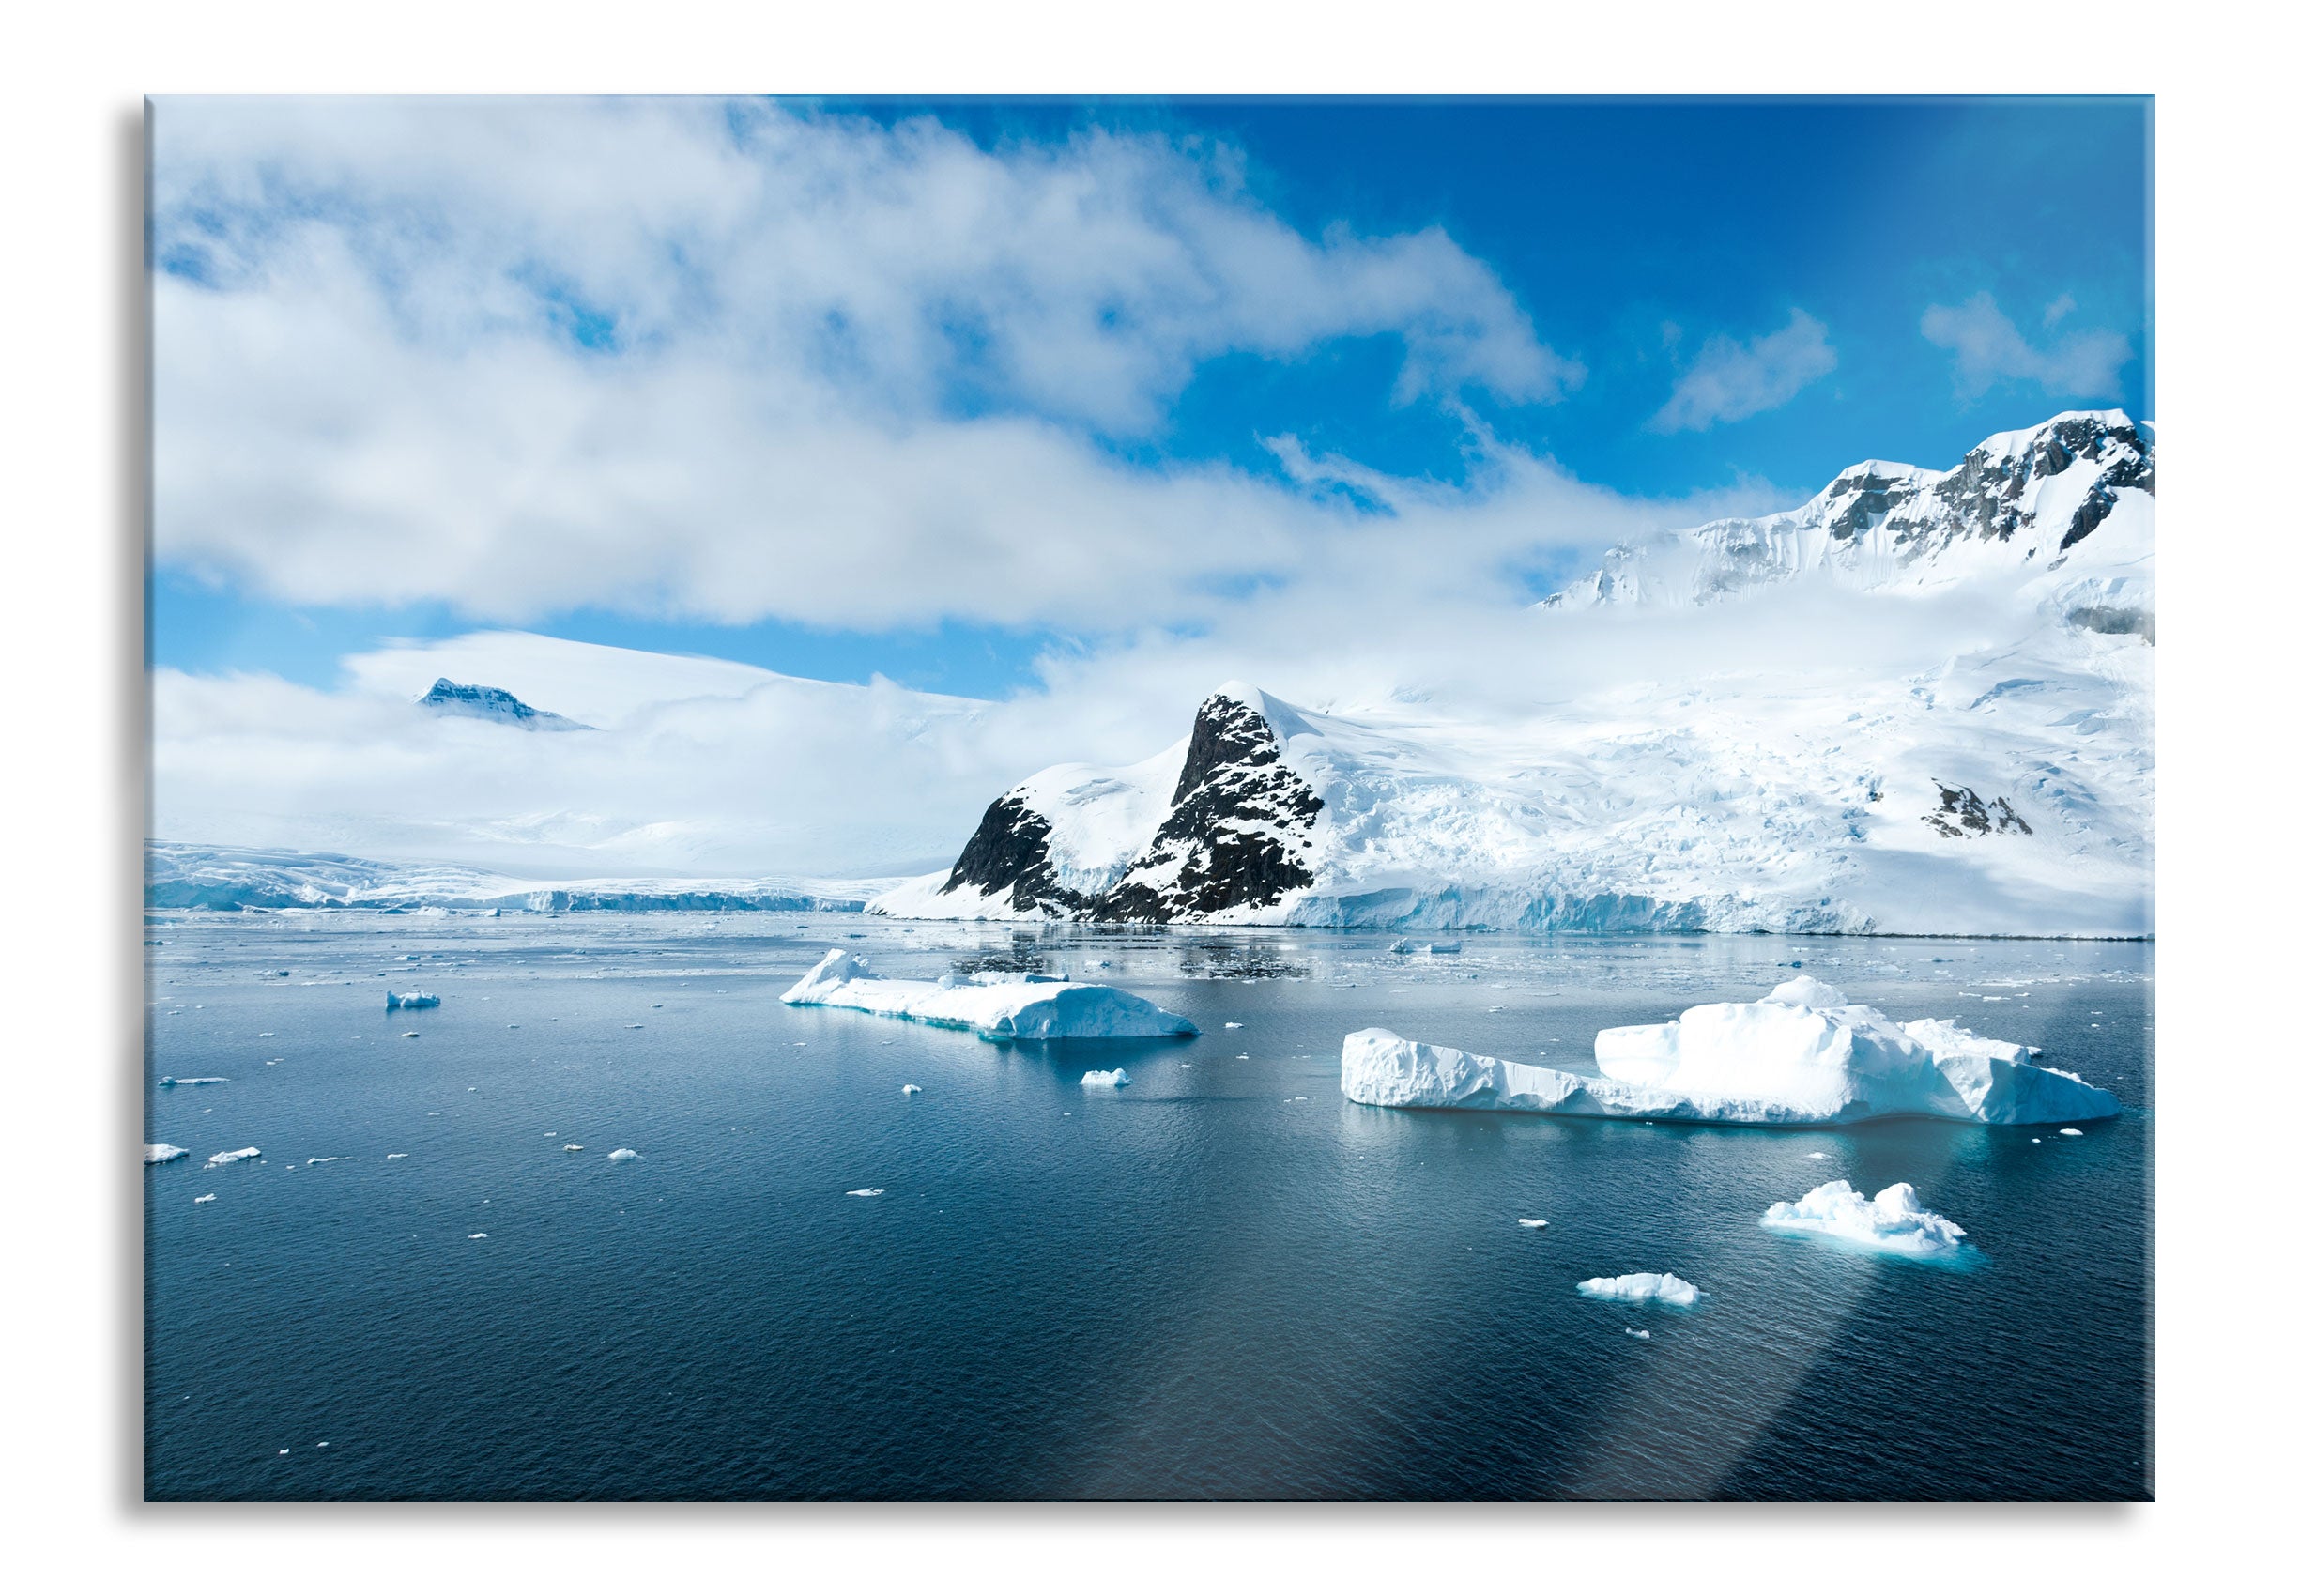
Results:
x,y
1222,1281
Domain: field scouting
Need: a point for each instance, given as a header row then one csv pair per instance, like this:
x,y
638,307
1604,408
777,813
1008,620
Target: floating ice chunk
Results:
x,y
209,1197
1641,1335
161,1152
1891,1222
910,1091
572,1147
477,1235
2065,1131
1111,1078
410,1034
998,1005
1445,947
1535,1224
1817,1156
621,1156
1800,1055
1642,1288
868,1191
1234,1025
388,1156
193,1079
410,1000
217,1159
334,1158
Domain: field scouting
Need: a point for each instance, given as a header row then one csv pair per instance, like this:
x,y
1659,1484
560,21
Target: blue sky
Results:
x,y
1694,305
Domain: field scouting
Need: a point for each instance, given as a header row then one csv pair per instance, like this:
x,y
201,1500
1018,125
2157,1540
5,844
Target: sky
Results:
x,y
1074,408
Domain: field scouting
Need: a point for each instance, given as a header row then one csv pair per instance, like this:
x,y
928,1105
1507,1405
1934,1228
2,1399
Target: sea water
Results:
x,y
1220,1281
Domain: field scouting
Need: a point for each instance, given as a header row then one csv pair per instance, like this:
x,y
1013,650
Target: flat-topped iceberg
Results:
x,y
1642,1288
1891,1223
216,1161
1800,1055
410,1000
1000,1006
161,1152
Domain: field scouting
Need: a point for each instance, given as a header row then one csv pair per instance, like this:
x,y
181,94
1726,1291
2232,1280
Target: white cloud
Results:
x,y
1731,381
834,373
1989,349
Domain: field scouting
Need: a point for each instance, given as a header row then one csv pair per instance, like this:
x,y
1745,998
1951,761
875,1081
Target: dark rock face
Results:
x,y
492,703
1009,850
1962,814
1237,834
1983,493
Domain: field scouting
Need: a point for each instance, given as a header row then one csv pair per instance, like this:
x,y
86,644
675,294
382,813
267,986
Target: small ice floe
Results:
x,y
621,1156
1641,1335
334,1158
1234,1025
1816,1155
1535,1224
655,1005
572,1147
910,1091
388,1156
1891,1223
2065,1131
410,1035
265,1035
1110,1078
218,1159
209,1197
1445,947
1642,1288
410,1000
635,1025
193,1079
161,1152
868,1191
477,1235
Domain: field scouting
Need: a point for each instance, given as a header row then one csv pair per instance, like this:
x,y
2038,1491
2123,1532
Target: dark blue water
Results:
x,y
1224,1282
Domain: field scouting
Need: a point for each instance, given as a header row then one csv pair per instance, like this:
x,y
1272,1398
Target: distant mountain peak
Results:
x,y
492,703
2028,499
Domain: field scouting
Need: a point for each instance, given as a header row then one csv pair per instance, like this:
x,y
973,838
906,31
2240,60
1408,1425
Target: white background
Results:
x,y
70,444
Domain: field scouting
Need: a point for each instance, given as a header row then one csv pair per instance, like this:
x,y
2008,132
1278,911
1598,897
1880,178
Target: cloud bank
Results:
x,y
728,362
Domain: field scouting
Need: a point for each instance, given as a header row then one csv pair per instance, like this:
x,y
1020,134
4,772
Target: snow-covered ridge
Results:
x,y
2030,501
1800,1055
996,1006
180,875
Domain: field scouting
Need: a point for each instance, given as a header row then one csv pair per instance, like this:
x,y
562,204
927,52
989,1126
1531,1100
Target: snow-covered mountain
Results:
x,y
2025,503
2006,791
492,703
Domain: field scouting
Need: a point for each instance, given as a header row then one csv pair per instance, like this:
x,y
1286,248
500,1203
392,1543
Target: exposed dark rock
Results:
x,y
1237,833
492,703
1964,814
1008,849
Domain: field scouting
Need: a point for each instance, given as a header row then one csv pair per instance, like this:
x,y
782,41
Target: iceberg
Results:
x,y
410,1000
868,1192
1800,1055
209,1197
217,1159
193,1079
910,1091
1110,1078
1891,1223
1642,1288
621,1156
996,1006
161,1153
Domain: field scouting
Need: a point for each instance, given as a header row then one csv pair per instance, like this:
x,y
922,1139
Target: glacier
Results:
x,y
2006,788
996,1006
1893,1222
1800,1055
1642,1288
